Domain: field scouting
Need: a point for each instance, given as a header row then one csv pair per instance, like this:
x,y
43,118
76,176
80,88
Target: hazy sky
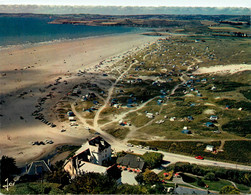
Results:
x,y
186,3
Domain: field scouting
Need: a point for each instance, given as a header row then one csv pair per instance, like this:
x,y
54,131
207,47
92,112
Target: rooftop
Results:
x,y
90,167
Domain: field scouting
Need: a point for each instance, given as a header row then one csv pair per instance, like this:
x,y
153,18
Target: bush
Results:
x,y
210,176
91,183
238,176
8,168
153,159
139,178
239,127
200,182
150,177
229,190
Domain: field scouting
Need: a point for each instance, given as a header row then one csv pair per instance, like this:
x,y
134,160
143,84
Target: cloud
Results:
x,y
121,10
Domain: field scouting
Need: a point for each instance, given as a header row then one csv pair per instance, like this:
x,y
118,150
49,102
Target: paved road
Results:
x,y
173,158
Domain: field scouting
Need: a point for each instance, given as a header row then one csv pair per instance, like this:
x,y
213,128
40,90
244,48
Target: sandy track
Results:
x,y
223,69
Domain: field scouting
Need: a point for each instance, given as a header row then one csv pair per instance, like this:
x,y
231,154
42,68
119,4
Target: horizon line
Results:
x,y
121,6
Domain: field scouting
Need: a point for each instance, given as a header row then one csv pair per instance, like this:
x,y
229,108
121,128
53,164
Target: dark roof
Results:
x,y
82,155
186,131
37,167
131,161
102,144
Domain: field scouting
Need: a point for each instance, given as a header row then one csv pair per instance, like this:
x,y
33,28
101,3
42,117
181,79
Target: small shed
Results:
x,y
37,167
149,115
209,124
190,118
185,131
210,148
213,118
70,113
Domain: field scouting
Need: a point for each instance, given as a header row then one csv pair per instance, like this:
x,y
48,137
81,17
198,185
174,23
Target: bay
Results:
x,y
24,30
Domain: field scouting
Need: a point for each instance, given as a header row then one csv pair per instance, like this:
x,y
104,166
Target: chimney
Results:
x,y
49,162
26,166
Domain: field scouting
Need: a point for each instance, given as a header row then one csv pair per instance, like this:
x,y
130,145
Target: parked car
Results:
x,y
129,145
154,149
199,157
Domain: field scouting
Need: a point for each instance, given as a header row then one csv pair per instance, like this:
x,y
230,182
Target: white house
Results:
x,y
89,158
210,148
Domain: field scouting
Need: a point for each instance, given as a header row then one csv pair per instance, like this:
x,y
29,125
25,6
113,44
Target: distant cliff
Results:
x,y
123,10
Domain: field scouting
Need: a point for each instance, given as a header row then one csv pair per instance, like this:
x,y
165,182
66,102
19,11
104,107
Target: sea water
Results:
x,y
26,30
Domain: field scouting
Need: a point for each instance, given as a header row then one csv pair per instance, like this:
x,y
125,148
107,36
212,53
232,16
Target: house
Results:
x,y
185,131
149,115
71,118
190,118
131,161
37,167
209,124
70,113
213,118
210,148
76,91
89,158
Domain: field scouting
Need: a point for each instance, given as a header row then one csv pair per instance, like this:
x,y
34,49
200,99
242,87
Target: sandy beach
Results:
x,y
24,75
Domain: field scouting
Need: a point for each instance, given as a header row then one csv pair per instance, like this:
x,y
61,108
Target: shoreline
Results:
x,y
62,40
32,69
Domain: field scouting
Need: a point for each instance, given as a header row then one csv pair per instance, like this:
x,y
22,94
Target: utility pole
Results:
x,y
7,180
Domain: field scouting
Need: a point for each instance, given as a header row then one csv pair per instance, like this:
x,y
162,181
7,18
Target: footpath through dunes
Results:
x,y
32,70
223,69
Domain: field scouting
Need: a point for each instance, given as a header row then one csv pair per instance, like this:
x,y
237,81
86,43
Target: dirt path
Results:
x,y
107,100
82,120
222,145
223,69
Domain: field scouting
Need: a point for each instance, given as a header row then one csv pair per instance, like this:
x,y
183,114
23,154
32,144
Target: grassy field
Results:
x,y
234,151
212,185
34,188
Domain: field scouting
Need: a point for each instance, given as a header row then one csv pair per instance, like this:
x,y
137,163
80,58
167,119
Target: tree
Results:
x,y
8,168
92,183
139,178
150,177
153,159
157,189
200,182
131,189
229,190
210,176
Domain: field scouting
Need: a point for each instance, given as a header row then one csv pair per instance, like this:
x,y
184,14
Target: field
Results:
x,y
233,151
182,90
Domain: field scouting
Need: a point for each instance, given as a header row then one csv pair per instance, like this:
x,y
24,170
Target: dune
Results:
x,y
30,69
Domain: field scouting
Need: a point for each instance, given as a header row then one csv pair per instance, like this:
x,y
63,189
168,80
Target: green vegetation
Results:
x,y
8,168
239,127
34,188
223,86
229,190
210,176
241,177
234,151
150,177
153,159
246,93
58,175
91,183
215,185
119,132
236,104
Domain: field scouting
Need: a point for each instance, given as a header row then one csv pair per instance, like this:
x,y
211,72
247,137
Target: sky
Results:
x,y
155,3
